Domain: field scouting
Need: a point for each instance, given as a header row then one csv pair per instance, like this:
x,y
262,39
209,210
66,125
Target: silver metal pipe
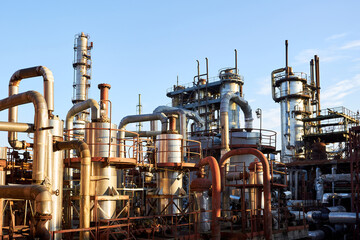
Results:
x,y
343,217
344,177
141,118
273,73
183,115
85,156
14,89
79,107
296,184
327,196
224,116
41,125
316,235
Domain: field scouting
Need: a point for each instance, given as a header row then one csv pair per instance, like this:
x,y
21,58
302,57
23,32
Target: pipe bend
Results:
x,y
273,82
81,106
143,118
242,103
266,179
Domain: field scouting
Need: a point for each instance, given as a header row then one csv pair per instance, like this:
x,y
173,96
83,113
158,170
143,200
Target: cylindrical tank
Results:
x,y
101,138
169,150
57,177
294,107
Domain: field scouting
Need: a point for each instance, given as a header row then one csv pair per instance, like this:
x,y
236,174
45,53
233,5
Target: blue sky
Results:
x,y
141,46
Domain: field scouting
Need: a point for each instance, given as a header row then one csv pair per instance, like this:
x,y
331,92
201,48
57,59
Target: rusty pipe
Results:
x,y
104,97
41,123
216,193
85,156
14,89
266,180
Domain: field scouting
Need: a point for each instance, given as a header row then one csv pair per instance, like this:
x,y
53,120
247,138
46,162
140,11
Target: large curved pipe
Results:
x,y
216,193
224,116
14,89
266,180
85,156
273,73
183,115
141,118
38,193
79,107
41,122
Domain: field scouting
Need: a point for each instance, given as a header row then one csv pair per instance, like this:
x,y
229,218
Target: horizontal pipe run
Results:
x,y
17,127
37,193
41,123
85,172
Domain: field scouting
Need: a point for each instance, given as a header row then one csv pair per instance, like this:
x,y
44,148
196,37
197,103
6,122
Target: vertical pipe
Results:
x,y
236,61
286,58
85,156
296,184
104,97
216,191
317,74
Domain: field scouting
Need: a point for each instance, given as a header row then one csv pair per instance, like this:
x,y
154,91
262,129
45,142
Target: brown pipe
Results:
x,y
216,193
85,156
266,179
42,198
317,75
104,97
41,123
14,89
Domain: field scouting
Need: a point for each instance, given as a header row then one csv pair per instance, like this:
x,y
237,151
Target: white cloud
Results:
x,y
265,87
351,45
336,36
340,90
326,55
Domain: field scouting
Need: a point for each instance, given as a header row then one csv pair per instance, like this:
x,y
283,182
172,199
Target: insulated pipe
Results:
x,y
216,193
41,124
79,107
37,193
141,118
17,127
266,180
183,115
332,217
327,196
224,116
273,73
85,156
14,89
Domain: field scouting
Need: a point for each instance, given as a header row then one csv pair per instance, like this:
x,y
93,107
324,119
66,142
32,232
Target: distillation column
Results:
x,y
292,92
101,136
82,77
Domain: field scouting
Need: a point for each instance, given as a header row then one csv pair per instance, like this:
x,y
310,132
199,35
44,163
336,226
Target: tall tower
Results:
x,y
82,76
